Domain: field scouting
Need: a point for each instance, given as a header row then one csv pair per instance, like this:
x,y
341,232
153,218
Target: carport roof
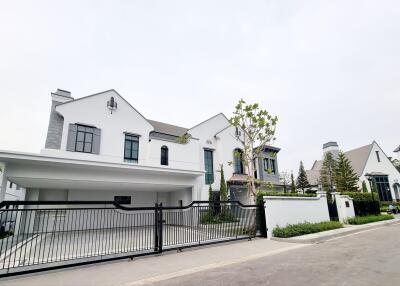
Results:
x,y
39,171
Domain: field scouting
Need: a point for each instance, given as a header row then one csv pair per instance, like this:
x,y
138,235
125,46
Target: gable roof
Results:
x,y
109,90
358,158
212,117
166,128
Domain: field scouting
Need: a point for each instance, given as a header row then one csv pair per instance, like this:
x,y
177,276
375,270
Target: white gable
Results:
x,y
92,110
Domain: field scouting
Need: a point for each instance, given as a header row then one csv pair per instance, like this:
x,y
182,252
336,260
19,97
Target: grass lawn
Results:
x,y
292,230
369,219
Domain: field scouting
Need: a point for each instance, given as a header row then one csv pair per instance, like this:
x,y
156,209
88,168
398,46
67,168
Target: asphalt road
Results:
x,y
368,258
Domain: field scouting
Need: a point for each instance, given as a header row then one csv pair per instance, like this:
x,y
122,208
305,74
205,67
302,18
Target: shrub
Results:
x,y
364,204
223,217
292,230
369,219
357,196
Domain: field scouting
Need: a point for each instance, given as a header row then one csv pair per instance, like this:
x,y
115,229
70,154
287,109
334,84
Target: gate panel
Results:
x,y
202,222
46,235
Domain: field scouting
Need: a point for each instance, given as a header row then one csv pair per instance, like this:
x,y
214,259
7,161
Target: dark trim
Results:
x,y
132,134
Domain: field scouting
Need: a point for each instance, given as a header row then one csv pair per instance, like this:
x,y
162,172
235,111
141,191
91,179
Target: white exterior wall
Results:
x,y
384,166
344,212
180,156
222,144
281,211
93,111
14,193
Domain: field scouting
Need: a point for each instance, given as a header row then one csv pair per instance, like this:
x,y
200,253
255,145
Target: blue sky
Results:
x,y
330,70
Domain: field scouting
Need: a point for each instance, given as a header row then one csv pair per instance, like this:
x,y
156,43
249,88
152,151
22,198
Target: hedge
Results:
x,y
364,204
358,196
369,219
292,230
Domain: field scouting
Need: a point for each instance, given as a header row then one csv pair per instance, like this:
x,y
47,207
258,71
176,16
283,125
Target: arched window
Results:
x,y
238,161
164,155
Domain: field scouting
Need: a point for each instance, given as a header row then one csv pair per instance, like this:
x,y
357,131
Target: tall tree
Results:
x,y
346,178
364,187
223,191
285,180
292,185
258,130
302,181
327,173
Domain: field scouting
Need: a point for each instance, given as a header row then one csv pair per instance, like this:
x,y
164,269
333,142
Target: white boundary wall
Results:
x,y
344,206
281,211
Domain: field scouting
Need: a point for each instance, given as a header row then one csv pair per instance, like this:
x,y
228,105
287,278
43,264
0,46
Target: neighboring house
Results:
x,y
99,147
366,160
14,192
397,151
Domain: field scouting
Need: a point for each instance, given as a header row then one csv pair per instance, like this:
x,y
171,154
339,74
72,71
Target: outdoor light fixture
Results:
x,y
112,104
370,179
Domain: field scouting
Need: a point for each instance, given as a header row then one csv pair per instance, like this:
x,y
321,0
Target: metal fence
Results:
x,y
37,236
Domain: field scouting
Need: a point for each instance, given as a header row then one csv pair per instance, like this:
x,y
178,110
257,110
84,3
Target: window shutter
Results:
x,y
96,141
71,140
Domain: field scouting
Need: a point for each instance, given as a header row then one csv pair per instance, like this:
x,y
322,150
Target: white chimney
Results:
x,y
331,147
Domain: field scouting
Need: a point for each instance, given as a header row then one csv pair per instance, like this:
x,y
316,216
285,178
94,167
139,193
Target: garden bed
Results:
x,y
368,219
292,230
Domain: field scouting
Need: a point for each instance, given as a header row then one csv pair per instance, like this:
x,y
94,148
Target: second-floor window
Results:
x,y
269,166
238,160
131,152
272,166
209,166
164,155
84,139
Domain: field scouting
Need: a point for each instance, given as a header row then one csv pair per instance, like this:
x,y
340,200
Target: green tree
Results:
x,y
293,185
302,181
327,173
223,191
364,187
285,180
345,177
257,128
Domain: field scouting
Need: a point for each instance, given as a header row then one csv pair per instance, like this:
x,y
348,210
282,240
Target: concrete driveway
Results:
x,y
370,257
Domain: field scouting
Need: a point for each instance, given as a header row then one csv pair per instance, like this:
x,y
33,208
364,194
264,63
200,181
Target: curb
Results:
x,y
326,235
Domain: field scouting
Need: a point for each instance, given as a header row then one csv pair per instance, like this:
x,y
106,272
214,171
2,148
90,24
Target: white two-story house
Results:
x,y
99,147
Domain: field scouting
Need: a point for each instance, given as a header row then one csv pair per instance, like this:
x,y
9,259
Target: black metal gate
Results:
x,y
333,212
37,236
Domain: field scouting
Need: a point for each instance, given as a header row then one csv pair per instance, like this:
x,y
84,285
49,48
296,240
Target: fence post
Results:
x,y
260,218
156,228
160,229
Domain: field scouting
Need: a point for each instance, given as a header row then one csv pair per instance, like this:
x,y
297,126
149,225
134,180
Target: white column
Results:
x,y
3,181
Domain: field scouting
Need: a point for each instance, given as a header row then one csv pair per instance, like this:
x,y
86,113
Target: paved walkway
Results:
x,y
168,265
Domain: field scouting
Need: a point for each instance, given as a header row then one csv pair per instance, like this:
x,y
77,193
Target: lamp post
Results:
x,y
370,178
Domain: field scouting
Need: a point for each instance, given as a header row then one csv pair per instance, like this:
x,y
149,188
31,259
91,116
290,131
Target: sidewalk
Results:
x,y
156,268
330,234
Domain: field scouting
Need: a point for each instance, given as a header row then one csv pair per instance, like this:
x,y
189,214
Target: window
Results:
x,y
208,165
383,188
377,156
272,166
11,185
84,139
238,160
131,151
266,165
164,155
122,200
